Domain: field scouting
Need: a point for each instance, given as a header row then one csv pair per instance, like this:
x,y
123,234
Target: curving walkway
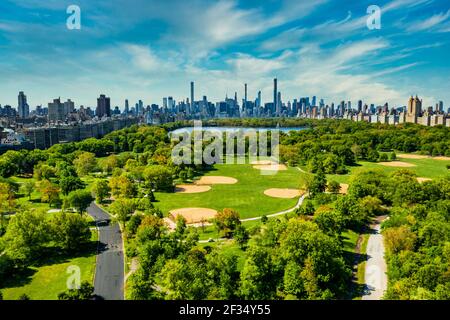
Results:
x,y
375,274
109,271
299,203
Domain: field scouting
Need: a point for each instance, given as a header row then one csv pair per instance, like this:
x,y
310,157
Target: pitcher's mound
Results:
x,y
215,180
398,164
193,215
191,188
268,167
282,193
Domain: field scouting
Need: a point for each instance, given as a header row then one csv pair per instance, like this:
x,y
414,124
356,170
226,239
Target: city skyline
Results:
x,y
315,48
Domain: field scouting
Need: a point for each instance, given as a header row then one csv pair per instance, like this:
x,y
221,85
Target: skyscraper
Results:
x,y
245,96
56,110
23,108
192,97
103,106
127,107
275,96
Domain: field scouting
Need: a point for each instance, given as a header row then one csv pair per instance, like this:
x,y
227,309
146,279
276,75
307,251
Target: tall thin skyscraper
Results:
x,y
275,96
192,96
103,106
245,96
127,107
23,109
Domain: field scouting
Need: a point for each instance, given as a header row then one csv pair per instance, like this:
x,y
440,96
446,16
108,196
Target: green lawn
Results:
x,y
46,281
246,196
425,168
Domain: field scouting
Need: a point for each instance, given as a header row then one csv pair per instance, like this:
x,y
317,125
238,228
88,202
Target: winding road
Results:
x,y
109,271
375,273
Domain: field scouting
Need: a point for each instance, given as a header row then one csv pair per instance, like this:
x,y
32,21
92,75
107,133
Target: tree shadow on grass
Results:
x,y
47,257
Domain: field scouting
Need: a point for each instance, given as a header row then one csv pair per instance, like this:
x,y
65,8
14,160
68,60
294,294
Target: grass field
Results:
x,y
44,282
425,168
246,196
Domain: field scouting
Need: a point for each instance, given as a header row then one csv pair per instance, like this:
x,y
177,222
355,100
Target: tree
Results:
x,y
44,171
70,183
392,156
28,188
80,200
70,231
334,186
49,192
318,184
159,177
383,157
100,189
85,292
26,235
227,221
399,239
373,155
7,200
258,277
24,297
122,208
109,163
241,236
122,186
85,163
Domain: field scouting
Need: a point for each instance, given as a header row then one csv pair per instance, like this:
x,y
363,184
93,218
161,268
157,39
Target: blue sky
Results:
x,y
147,49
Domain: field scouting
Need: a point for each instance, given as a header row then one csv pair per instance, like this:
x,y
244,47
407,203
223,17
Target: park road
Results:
x,y
375,273
109,271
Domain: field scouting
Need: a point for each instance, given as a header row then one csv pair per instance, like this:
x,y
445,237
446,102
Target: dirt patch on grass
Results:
x,y
193,215
398,164
263,162
423,179
283,193
442,158
191,188
268,167
205,180
412,156
344,188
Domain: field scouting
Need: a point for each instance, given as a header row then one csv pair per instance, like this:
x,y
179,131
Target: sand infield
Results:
x,y
442,158
193,215
412,156
263,162
419,156
344,188
270,167
206,180
191,188
398,164
282,193
420,180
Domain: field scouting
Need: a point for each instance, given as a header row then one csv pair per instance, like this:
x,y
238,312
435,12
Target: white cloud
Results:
x,y
430,22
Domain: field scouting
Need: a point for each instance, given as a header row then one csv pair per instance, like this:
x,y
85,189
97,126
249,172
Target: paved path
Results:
x,y
109,271
375,273
299,203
